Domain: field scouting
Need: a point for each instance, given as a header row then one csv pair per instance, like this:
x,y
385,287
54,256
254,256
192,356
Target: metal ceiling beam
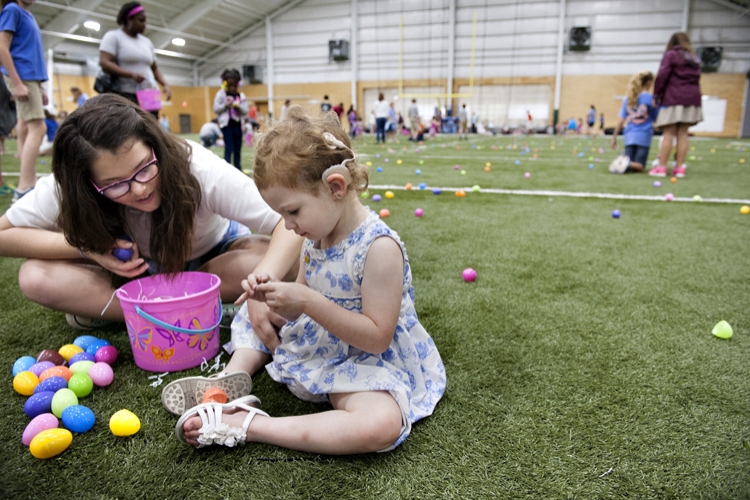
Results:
x,y
249,30
742,9
67,19
185,20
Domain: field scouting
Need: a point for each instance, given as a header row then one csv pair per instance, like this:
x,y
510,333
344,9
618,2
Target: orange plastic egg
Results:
x,y
214,395
408,186
56,371
461,193
385,213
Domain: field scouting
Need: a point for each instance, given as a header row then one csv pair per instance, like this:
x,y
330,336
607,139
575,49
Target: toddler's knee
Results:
x,y
384,430
33,282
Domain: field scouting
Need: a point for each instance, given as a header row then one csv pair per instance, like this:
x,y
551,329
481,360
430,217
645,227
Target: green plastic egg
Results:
x,y
61,400
81,367
81,384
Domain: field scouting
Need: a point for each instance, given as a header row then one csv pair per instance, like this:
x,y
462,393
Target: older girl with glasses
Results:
x,y
120,181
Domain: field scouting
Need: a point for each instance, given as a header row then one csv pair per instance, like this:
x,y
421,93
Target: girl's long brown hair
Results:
x,y
92,222
681,39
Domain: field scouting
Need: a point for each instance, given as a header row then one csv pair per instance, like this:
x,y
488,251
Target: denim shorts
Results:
x,y
234,232
637,154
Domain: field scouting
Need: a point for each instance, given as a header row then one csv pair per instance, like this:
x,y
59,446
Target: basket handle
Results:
x,y
143,314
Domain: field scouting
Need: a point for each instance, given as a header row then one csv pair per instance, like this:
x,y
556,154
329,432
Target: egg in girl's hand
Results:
x,y
39,423
50,443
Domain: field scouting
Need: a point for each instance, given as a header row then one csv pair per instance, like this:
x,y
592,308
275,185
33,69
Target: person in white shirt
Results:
x,y
210,133
380,111
415,124
120,182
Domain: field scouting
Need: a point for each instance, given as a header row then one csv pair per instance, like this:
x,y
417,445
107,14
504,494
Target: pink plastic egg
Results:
x,y
419,212
101,374
106,354
40,423
669,197
469,274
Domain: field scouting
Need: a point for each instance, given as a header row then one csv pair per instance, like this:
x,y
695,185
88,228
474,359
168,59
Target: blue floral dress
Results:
x,y
314,363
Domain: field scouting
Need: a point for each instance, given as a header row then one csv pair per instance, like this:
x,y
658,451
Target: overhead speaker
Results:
x,y
580,38
710,58
338,50
252,74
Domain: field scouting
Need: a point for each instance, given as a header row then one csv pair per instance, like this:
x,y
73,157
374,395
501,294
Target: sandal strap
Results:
x,y
214,431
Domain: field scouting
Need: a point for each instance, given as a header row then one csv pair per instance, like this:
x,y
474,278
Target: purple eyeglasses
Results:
x,y
120,188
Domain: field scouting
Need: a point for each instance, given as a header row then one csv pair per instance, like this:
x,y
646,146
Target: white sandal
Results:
x,y
182,394
213,430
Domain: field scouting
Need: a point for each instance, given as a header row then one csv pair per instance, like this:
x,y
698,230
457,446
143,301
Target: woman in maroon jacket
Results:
x,y
678,93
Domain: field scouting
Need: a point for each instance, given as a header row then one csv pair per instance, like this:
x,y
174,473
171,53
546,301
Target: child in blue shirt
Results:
x,y
637,115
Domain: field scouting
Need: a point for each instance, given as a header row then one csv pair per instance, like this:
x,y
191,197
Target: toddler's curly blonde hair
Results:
x,y
294,154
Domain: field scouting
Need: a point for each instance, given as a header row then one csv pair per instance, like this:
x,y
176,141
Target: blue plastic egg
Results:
x,y
82,356
518,162
84,341
423,186
418,172
52,384
95,346
379,169
123,254
78,418
38,404
23,364
436,191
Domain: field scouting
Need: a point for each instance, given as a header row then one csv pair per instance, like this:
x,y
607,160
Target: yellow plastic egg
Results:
x,y
124,423
25,382
744,210
389,195
51,442
369,164
69,350
398,162
488,164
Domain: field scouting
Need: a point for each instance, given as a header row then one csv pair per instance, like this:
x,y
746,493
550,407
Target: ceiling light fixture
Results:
x,y
92,25
180,42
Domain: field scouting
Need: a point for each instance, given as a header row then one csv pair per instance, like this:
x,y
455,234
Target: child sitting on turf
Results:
x,y
352,338
637,114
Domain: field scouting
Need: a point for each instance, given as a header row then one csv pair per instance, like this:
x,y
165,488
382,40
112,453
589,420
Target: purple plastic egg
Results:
x,y
106,354
81,356
39,368
51,384
38,404
40,423
122,254
101,374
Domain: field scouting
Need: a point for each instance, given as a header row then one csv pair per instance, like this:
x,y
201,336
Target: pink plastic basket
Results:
x,y
149,99
172,324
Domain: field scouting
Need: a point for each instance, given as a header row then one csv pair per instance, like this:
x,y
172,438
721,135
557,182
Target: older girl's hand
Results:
x,y
131,268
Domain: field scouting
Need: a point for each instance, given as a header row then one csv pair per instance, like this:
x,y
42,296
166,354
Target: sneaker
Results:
x,y
660,171
84,323
6,190
679,171
619,165
180,395
17,195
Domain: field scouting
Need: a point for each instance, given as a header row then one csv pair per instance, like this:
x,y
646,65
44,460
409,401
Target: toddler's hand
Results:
x,y
285,299
250,285
265,323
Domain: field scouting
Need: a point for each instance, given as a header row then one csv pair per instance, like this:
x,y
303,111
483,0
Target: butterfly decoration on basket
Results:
x,y
200,340
162,354
141,339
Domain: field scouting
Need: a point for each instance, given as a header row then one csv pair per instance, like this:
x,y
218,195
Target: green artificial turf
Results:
x,y
584,347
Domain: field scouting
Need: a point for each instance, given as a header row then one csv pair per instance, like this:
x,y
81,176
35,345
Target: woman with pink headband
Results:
x,y
128,55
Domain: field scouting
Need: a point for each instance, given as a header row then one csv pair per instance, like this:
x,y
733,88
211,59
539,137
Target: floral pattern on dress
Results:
x,y
314,363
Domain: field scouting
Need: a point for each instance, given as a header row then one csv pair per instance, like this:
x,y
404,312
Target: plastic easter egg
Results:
x,y
518,162
469,275
369,164
78,418
124,423
697,198
56,371
421,162
81,356
475,188
657,184
50,443
486,169
376,198
379,169
122,254
744,210
38,403
50,355
25,382
436,191
84,341
377,155
616,214
419,212
423,186
81,385
214,395
418,172
40,368
69,350
673,180
461,193
81,367
52,384
463,172
456,167
723,330
95,346
101,374
669,197
389,195
63,399
364,195
591,165
409,186
527,174
23,364
384,213
386,160
40,423
398,162
488,165
108,353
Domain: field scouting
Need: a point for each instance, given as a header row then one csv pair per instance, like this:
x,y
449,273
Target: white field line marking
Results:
x,y
569,194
